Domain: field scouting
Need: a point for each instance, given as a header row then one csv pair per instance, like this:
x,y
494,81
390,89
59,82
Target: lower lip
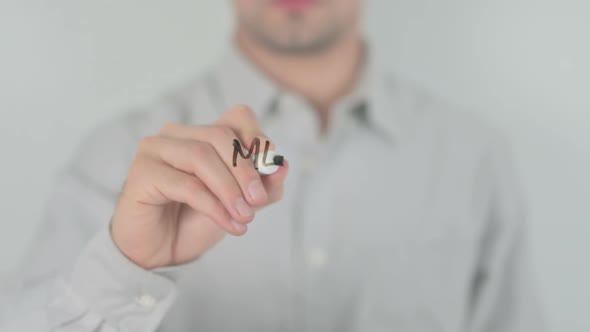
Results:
x,y
294,4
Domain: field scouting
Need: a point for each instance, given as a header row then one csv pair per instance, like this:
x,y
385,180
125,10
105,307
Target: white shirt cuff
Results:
x,y
114,288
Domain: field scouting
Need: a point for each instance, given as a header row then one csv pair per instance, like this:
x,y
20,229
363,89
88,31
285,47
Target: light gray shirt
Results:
x,y
404,216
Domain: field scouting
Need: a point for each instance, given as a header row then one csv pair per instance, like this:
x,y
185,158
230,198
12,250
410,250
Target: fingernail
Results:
x,y
238,227
243,208
257,191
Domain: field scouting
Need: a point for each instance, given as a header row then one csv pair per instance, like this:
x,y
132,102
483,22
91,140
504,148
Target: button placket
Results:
x,y
300,128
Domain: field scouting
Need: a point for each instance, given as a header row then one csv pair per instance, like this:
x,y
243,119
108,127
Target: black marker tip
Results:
x,y
278,160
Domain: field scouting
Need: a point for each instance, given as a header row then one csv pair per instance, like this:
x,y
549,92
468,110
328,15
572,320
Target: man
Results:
x,y
393,212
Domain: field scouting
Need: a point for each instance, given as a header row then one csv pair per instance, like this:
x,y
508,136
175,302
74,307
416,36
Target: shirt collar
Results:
x,y
241,82
379,87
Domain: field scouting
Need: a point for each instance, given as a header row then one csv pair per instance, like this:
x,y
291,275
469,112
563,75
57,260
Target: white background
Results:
x,y
523,64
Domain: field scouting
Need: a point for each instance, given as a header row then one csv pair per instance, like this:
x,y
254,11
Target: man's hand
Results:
x,y
183,194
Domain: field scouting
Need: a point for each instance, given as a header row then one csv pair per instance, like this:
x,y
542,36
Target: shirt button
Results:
x,y
146,301
317,257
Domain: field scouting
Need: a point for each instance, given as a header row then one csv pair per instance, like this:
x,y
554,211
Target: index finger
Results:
x,y
243,120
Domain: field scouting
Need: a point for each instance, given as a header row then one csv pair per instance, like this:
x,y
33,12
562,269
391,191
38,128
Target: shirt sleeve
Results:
x,y
76,279
503,293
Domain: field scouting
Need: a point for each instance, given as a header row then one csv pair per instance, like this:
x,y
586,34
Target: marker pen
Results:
x,y
270,167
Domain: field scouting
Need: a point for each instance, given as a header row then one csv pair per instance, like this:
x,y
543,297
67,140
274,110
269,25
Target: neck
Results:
x,y
322,78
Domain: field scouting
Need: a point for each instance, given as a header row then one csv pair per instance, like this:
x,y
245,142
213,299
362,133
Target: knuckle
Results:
x,y
140,163
228,132
201,150
169,128
245,110
146,143
192,186
139,167
223,131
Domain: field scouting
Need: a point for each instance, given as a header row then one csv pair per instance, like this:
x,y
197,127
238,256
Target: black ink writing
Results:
x,y
254,148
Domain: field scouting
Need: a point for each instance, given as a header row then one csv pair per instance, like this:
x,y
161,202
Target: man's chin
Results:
x,y
297,47
297,42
